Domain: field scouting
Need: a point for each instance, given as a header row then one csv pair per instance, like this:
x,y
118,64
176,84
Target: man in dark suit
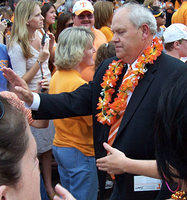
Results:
x,y
133,27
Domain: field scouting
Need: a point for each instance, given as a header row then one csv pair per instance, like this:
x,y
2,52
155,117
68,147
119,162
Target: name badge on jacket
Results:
x,y
144,183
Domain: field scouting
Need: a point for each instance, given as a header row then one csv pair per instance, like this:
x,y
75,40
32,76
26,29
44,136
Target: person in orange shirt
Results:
x,y
83,16
180,16
73,142
103,13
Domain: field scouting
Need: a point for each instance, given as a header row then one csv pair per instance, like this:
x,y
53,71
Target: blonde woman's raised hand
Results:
x,y
43,84
44,52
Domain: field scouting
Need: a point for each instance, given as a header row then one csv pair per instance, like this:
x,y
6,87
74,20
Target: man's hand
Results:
x,y
63,193
114,163
19,85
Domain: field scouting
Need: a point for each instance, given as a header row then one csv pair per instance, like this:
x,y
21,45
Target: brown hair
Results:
x,y
45,8
103,12
105,51
169,46
13,143
61,23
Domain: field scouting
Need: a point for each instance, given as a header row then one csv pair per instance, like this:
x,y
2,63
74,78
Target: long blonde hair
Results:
x,y
20,34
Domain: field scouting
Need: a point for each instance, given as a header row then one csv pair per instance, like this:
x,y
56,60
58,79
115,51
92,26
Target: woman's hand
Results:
x,y
51,41
43,84
62,193
114,163
44,52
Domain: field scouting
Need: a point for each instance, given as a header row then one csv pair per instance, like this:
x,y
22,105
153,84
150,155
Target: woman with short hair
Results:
x,y
73,142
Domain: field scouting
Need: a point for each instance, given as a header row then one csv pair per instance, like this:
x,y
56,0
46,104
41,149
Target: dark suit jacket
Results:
x,y
136,132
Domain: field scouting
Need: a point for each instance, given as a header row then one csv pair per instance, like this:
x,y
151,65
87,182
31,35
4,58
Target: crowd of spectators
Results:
x,y
63,48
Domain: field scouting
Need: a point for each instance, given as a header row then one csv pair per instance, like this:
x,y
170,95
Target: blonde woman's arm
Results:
x,y
18,61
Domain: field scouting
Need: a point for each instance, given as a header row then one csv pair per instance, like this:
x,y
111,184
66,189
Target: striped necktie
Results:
x,y
115,127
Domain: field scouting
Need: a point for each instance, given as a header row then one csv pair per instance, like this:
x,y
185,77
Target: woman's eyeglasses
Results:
x,y
2,110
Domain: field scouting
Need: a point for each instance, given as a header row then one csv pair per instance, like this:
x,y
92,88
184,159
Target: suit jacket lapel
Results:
x,y
137,96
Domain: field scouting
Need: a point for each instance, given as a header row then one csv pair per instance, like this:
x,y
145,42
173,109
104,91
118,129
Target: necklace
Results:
x,y
111,111
179,195
33,38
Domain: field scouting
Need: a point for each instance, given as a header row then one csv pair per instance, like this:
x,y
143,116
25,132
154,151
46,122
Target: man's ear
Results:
x,y
176,44
3,190
145,31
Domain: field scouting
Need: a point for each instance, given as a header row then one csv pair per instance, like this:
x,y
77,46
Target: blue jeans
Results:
x,y
78,173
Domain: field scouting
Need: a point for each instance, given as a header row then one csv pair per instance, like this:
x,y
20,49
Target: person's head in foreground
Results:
x,y
135,33
171,137
83,14
175,40
75,47
19,170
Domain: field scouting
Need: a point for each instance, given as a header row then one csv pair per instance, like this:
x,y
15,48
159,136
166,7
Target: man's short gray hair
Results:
x,y
139,14
72,42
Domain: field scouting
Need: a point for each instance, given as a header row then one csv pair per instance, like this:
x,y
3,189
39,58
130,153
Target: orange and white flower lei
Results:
x,y
111,111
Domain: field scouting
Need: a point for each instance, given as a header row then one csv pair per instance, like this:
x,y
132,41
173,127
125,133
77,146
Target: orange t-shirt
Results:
x,y
107,32
74,132
180,16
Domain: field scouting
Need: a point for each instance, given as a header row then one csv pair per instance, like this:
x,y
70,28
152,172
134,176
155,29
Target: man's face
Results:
x,y
183,49
161,20
86,18
28,186
127,38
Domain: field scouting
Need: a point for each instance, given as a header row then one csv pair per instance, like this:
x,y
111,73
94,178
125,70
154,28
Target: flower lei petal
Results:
x,y
111,111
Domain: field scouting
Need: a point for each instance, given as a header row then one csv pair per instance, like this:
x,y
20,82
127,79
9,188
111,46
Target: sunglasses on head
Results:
x,y
2,110
161,14
89,16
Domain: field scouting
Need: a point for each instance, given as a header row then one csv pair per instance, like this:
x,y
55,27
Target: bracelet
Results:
x,y
38,61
